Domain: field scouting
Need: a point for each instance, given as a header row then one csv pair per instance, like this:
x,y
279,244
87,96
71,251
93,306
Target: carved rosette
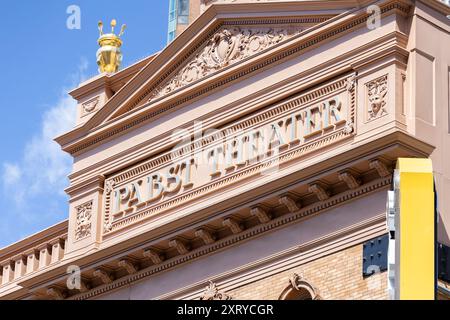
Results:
x,y
376,95
213,293
227,46
83,221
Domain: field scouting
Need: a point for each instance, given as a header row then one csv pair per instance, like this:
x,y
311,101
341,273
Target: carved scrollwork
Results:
x,y
109,186
83,221
349,128
351,83
91,105
377,91
226,47
300,289
213,293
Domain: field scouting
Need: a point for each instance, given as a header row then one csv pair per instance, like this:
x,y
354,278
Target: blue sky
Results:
x,y
41,59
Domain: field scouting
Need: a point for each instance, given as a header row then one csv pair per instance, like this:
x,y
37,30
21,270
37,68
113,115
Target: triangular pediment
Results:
x,y
223,46
228,46
216,49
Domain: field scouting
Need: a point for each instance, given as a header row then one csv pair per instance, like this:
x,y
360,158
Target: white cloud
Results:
x,y
11,174
43,168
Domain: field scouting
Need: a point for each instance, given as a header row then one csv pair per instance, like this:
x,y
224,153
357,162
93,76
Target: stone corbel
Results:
x,y
84,286
57,246
380,166
154,256
289,203
180,245
104,276
319,191
207,236
349,179
234,226
20,266
32,260
7,272
262,215
45,255
128,266
56,294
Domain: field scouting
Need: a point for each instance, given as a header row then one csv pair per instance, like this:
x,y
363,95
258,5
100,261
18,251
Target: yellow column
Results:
x,y
416,226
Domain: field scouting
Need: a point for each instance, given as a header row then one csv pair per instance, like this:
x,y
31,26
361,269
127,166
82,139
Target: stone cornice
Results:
x,y
111,251
32,242
90,185
110,80
437,5
310,39
243,236
288,259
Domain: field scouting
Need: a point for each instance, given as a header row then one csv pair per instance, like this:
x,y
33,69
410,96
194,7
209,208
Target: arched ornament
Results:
x,y
299,286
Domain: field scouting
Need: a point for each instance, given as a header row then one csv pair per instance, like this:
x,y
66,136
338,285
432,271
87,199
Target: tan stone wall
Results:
x,y
336,277
194,12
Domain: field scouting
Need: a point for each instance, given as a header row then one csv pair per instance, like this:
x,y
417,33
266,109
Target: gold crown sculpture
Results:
x,y
109,56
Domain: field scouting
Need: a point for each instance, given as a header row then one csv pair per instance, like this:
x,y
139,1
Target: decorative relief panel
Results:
x,y
227,46
83,221
90,106
300,289
377,98
213,293
256,144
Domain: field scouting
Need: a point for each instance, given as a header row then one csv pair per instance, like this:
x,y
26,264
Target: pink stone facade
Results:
x,y
249,159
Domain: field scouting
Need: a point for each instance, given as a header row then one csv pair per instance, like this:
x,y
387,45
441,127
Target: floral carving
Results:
x,y
109,186
213,293
91,105
349,127
377,92
84,221
226,47
351,83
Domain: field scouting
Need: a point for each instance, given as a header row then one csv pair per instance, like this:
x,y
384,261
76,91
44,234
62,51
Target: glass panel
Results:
x,y
183,11
172,10
183,7
183,19
170,36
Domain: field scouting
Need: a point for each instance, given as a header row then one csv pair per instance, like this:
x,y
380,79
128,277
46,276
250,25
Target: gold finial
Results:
x,y
113,25
122,30
109,56
100,27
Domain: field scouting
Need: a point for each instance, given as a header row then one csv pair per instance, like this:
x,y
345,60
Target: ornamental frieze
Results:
x,y
377,98
226,47
83,221
212,293
90,106
258,144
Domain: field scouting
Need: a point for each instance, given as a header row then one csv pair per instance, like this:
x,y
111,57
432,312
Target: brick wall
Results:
x,y
336,277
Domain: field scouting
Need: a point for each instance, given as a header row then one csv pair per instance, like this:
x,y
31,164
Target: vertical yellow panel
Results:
x,y
417,230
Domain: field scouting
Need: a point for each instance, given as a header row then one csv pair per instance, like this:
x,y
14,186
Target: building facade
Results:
x,y
181,14
250,159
